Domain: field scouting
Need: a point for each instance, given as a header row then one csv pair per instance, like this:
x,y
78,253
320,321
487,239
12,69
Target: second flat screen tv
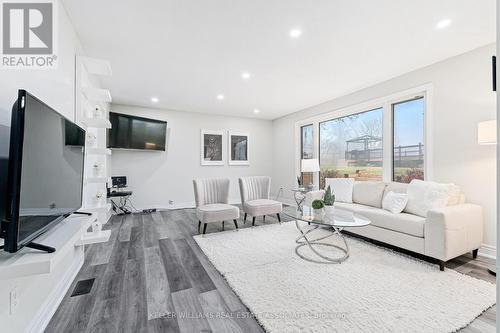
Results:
x,y
131,132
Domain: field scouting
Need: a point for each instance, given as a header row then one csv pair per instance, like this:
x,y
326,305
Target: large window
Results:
x,y
408,139
307,144
352,147
306,149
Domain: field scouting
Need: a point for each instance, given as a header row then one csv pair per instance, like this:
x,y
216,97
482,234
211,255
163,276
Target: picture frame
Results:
x,y
239,148
212,147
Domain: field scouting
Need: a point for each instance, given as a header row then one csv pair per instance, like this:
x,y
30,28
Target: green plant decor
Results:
x,y
318,204
329,198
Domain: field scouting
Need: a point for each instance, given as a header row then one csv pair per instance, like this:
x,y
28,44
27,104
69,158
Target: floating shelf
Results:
x,y
94,237
97,66
97,95
96,180
96,122
98,151
28,262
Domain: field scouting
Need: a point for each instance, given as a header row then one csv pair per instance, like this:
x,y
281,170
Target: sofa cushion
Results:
x,y
409,224
396,188
368,193
259,207
395,202
424,196
217,213
341,188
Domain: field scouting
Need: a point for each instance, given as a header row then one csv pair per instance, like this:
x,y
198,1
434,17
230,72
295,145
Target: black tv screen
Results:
x,y
131,132
4,163
45,176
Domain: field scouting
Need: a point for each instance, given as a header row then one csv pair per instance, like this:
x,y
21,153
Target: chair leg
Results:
x,y
235,224
222,225
264,218
204,228
441,265
199,225
474,253
245,218
279,218
253,221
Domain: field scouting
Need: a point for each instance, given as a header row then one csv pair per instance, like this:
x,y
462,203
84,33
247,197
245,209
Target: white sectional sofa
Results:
x,y
443,233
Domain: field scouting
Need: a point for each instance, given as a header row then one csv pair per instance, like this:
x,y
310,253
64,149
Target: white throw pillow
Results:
x,y
424,196
395,202
341,188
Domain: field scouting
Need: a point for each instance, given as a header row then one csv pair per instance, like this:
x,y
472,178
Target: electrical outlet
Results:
x,y
14,300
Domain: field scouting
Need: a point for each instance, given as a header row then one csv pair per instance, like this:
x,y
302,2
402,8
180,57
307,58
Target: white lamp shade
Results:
x,y
487,132
310,165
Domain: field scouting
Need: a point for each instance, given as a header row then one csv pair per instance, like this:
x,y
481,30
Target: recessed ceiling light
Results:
x,y
443,24
220,97
245,75
155,99
295,33
256,111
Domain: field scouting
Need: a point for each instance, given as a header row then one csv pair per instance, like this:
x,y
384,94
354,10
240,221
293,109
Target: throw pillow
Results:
x,y
395,202
424,196
341,188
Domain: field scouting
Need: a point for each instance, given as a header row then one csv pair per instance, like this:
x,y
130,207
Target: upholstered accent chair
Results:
x,y
255,192
211,197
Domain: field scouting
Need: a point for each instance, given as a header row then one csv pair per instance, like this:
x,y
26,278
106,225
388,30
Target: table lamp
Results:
x,y
310,166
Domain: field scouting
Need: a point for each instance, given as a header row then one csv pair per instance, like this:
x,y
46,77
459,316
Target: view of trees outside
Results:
x,y
307,149
351,147
408,157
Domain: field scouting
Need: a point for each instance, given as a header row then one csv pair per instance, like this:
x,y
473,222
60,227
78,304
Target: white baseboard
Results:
x,y
42,319
191,204
488,251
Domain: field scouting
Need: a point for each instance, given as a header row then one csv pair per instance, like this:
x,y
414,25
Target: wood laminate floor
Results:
x,y
152,268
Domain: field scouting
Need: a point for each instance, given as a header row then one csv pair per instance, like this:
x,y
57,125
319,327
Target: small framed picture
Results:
x,y
239,148
212,147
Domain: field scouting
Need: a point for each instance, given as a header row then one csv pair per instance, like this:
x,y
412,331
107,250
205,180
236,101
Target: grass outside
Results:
x,y
404,175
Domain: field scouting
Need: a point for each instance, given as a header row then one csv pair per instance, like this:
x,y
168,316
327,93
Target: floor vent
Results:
x,y
83,287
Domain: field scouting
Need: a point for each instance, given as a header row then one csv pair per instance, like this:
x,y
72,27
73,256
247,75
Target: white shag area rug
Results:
x,y
374,290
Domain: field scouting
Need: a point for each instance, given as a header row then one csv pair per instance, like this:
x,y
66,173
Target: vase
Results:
x,y
329,209
319,213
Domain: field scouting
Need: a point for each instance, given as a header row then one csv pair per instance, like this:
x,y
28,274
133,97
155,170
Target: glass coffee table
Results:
x,y
333,220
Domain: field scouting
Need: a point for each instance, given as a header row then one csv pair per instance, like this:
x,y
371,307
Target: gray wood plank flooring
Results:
x,y
152,270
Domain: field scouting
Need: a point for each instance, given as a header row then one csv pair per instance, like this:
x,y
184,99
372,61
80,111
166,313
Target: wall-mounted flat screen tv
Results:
x,y
131,132
45,174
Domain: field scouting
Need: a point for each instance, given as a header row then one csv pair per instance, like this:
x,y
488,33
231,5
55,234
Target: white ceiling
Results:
x,y
186,52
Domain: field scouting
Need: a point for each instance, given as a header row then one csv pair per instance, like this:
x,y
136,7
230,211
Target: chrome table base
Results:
x,y
303,240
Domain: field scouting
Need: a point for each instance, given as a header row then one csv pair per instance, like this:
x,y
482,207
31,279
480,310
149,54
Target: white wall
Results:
x,y
462,97
56,88
157,177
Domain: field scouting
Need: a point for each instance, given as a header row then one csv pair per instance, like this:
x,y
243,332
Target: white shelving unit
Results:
x,y
98,151
94,237
96,94
96,180
92,109
27,262
96,123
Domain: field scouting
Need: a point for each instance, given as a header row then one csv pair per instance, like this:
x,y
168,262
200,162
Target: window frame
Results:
x,y
385,102
302,139
348,115
393,132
